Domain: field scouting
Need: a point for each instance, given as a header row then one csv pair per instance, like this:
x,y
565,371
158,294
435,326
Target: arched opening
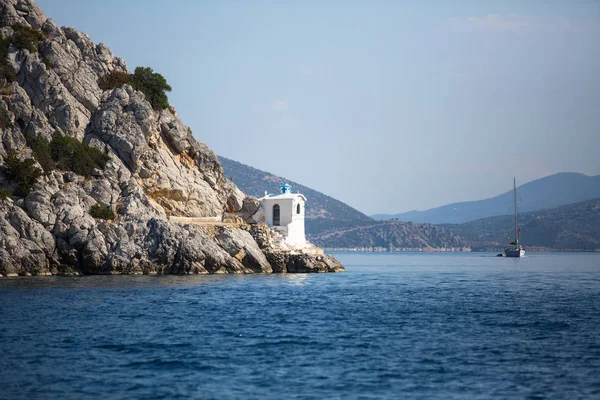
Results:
x,y
298,209
276,215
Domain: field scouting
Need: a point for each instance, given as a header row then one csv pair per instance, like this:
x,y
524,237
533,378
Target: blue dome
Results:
x,y
285,188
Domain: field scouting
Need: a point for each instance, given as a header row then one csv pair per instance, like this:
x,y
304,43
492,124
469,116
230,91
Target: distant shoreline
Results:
x,y
530,250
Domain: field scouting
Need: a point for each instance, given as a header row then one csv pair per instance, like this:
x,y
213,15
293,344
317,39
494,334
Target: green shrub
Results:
x,y
5,121
102,212
144,79
4,47
7,72
73,155
5,194
153,85
47,62
23,190
41,152
114,80
27,38
23,172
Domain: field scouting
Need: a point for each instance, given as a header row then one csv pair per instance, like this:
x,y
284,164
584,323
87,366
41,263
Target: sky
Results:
x,y
386,106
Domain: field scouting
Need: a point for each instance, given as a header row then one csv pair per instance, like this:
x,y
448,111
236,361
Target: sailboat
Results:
x,y
514,248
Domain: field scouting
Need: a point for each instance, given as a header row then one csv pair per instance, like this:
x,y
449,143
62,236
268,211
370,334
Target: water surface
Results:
x,y
394,325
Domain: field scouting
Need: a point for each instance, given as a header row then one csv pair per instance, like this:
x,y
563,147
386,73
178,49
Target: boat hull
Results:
x,y
514,253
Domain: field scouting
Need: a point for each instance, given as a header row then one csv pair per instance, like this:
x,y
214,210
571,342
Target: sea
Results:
x,y
395,325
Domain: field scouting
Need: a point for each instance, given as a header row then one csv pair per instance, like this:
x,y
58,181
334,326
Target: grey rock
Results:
x,y
250,209
70,176
39,207
303,263
22,12
235,197
51,97
97,173
25,246
240,244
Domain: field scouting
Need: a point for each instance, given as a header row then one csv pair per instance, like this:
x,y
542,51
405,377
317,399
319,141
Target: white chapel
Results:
x,y
284,213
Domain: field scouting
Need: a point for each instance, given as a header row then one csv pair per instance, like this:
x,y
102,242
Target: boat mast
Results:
x,y
516,211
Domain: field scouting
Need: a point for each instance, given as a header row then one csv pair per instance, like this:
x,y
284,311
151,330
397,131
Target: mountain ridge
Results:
x,y
569,227
551,191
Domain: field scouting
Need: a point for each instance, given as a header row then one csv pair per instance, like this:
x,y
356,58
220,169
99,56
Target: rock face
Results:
x,y
156,170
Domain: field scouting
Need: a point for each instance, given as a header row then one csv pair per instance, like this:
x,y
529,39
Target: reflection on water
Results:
x,y
112,282
297,279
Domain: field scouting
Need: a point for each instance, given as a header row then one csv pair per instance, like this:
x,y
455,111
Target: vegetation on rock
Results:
x,y
5,194
5,121
144,79
73,155
22,172
153,85
41,152
114,79
102,212
47,62
7,72
26,37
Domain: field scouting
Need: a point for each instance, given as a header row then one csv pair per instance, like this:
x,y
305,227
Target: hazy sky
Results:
x,y
387,107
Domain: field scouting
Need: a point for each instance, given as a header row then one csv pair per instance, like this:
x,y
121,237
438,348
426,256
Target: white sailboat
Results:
x,y
514,248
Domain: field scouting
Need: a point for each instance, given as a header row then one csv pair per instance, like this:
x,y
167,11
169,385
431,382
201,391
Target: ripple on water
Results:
x,y
426,326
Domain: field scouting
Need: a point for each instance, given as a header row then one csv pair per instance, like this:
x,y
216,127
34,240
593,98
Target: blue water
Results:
x,y
393,326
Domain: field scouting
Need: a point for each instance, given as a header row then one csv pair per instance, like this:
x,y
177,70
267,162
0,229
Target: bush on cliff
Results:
x,y
144,79
47,62
73,155
23,172
153,85
5,121
5,194
7,72
41,152
27,37
4,47
114,80
7,75
102,212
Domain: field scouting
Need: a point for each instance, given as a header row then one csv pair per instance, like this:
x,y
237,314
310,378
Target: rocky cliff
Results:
x,y
154,169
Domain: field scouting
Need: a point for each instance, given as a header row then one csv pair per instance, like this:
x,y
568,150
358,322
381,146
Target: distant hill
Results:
x,y
333,224
570,227
322,212
390,235
551,191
